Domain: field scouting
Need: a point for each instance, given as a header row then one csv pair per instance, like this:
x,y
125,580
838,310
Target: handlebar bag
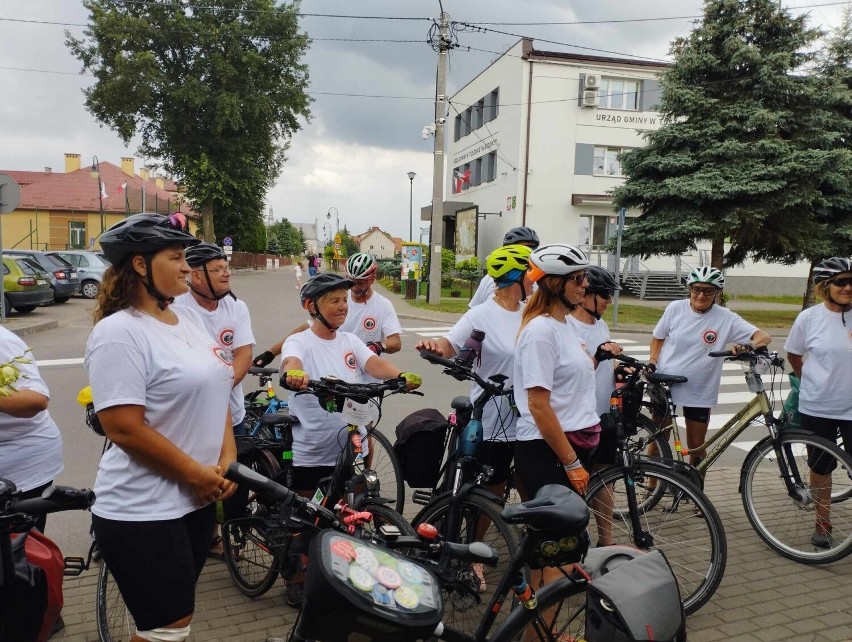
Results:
x,y
419,447
355,586
636,600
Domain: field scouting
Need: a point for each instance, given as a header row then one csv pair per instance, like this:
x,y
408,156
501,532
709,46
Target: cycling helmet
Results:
x,y
556,260
318,285
600,281
504,260
706,274
199,255
361,266
521,235
145,234
830,268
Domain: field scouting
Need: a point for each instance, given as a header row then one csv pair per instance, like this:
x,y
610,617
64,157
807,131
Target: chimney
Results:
x,y
143,173
47,170
128,165
72,163
161,183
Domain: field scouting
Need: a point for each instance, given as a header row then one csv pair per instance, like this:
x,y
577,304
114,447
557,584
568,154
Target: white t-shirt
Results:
x,y
318,438
183,379
298,270
498,357
373,320
595,334
230,326
549,354
30,448
484,292
819,334
689,337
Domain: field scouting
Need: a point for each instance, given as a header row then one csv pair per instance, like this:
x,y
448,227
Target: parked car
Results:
x,y
90,268
63,276
25,285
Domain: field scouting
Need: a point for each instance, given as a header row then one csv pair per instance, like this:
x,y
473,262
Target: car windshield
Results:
x,y
56,261
28,267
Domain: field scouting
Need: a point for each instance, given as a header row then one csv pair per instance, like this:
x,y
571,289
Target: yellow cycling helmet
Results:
x,y
504,259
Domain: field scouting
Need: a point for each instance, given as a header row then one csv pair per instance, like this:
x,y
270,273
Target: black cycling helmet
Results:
x,y
525,235
198,257
146,234
600,281
318,285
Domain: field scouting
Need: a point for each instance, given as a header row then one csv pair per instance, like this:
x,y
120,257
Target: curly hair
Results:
x,y
119,290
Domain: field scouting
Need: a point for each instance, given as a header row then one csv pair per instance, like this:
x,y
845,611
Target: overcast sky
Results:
x,y
355,153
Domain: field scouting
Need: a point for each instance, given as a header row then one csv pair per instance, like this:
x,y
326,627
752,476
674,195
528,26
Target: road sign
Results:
x,y
10,194
228,250
227,241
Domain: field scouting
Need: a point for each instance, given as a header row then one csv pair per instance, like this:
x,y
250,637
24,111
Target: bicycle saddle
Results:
x,y
461,404
554,507
668,379
277,419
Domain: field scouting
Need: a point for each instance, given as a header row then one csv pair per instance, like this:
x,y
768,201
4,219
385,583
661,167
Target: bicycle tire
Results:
x,y
251,562
384,461
560,615
786,524
683,524
384,514
465,601
648,430
114,622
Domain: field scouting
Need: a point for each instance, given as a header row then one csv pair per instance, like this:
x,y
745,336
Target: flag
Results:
x,y
103,191
461,178
122,187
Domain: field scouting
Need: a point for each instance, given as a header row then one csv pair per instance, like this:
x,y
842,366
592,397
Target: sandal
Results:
x,y
214,552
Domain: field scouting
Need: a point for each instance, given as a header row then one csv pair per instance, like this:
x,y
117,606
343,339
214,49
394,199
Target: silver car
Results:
x,y
90,267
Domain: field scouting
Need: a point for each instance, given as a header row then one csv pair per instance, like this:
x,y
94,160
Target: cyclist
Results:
x,y
161,387
228,321
371,316
516,236
683,336
821,334
325,349
587,321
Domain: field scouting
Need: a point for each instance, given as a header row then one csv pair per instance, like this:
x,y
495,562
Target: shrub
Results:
x,y
455,293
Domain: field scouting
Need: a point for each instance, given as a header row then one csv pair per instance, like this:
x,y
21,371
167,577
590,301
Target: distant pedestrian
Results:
x,y
312,265
297,268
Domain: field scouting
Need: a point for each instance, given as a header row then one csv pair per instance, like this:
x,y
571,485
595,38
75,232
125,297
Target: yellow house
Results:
x,y
68,210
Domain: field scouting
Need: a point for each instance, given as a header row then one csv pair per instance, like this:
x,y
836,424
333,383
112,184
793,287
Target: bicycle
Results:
x,y
657,503
256,552
782,514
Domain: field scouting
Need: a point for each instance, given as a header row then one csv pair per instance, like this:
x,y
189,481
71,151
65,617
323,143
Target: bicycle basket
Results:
x,y
354,586
420,443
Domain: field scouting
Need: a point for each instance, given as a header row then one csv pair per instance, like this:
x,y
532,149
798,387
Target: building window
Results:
x,y
489,167
484,111
457,129
606,161
618,93
491,105
76,235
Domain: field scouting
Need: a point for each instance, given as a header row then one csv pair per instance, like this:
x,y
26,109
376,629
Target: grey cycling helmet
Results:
x,y
600,281
198,257
706,274
361,266
525,235
830,268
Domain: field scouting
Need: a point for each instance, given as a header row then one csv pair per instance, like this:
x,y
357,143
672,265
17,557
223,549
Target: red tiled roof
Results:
x,y
25,178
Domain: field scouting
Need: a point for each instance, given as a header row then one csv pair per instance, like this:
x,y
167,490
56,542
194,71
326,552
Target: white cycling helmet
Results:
x,y
830,268
361,266
706,274
556,260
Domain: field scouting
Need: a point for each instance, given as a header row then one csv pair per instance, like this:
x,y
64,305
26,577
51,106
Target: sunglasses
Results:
x,y
703,291
577,277
841,283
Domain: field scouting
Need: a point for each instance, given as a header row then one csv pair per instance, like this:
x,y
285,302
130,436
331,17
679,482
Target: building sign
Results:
x,y
466,229
510,203
475,150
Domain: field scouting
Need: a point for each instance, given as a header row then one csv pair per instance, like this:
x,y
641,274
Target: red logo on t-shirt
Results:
x,y
710,336
221,355
226,337
350,360
369,324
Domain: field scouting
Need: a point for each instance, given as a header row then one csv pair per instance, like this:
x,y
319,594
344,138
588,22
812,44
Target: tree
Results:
x,y
215,90
748,151
286,238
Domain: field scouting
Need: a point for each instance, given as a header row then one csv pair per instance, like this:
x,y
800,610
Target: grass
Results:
x,y
458,306
787,298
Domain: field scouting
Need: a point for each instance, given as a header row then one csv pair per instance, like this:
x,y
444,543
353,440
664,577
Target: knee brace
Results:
x,y
165,635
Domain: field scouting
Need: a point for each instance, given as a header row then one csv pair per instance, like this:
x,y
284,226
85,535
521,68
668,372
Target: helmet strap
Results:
x,y
593,311
319,317
214,297
843,309
562,297
162,301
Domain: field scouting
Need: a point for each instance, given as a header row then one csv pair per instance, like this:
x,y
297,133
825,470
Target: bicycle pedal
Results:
x,y
421,497
74,566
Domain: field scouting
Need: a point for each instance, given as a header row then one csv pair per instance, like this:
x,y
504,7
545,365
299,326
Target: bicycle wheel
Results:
x,y
656,444
560,615
787,523
384,514
251,562
466,596
683,524
115,624
384,461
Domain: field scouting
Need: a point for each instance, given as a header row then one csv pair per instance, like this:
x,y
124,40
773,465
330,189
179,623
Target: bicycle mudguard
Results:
x,y
680,468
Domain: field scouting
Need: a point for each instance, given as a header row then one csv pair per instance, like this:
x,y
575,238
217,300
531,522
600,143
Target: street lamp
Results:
x,y
411,176
336,219
95,172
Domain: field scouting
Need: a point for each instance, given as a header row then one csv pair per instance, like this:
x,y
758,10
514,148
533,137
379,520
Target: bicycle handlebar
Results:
x,y
631,361
462,373
358,392
54,500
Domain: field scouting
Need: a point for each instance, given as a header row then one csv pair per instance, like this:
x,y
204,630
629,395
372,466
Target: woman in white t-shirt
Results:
x,y
161,386
821,334
690,329
297,268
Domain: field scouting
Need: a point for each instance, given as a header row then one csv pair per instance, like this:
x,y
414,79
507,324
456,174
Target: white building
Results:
x,y
378,243
533,140
312,243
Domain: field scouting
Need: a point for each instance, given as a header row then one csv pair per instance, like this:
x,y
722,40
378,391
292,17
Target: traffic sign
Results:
x,y
227,241
10,194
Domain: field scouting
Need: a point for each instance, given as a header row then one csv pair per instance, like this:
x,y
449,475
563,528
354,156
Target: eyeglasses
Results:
x,y
703,291
841,283
577,277
220,270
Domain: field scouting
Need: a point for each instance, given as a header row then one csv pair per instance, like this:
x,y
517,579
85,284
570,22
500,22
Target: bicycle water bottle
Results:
x,y
471,349
524,593
471,437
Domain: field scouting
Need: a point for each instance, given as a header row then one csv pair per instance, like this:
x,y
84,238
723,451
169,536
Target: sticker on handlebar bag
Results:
x,y
360,414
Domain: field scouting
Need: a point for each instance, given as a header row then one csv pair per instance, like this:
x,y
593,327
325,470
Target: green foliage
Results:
x,y
215,93
348,244
285,238
448,265
469,270
390,269
750,149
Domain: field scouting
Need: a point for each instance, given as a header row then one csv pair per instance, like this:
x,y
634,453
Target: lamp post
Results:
x,y
336,219
411,176
95,172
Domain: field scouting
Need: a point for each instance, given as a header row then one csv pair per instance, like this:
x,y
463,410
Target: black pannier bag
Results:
x,y
420,442
631,405
356,588
635,599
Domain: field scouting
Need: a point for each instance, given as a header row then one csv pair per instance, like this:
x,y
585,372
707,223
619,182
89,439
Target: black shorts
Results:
x,y
307,478
828,429
156,564
537,465
498,455
606,452
701,415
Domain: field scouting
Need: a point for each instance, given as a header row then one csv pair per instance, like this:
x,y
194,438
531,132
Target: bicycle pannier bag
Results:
x,y
356,587
420,442
637,600
790,417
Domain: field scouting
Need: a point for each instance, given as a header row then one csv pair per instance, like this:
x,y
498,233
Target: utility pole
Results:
x,y
437,231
